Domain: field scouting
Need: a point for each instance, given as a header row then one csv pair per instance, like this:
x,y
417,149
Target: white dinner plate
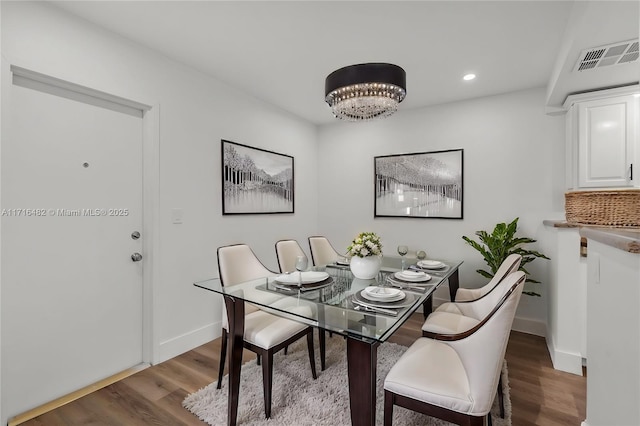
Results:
x,y
308,277
417,278
387,294
431,264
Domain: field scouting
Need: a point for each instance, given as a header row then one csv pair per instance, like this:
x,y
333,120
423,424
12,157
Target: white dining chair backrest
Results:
x,y
483,361
287,251
481,307
509,265
238,263
322,252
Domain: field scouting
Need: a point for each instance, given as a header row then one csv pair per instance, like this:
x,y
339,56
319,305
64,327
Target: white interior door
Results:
x,y
71,198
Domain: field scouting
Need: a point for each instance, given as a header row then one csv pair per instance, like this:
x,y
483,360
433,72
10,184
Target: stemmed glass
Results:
x,y
402,251
301,265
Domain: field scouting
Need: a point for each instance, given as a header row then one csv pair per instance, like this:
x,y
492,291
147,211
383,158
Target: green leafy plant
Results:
x,y
502,242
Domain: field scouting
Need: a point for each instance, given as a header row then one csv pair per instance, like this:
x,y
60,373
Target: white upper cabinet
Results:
x,y
602,139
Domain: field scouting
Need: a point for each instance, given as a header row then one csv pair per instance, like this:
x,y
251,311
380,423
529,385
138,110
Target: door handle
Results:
x,y
136,257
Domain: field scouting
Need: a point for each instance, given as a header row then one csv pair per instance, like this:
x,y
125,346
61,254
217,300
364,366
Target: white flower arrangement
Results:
x,y
365,244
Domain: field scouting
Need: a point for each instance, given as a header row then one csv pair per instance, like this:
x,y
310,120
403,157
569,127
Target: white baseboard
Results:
x,y
530,326
564,361
584,423
181,344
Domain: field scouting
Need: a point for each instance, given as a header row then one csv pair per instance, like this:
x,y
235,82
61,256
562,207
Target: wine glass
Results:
x,y
421,255
301,265
402,251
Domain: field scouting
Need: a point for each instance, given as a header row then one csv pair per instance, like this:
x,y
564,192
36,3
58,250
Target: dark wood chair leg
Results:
x,y
388,408
500,397
321,339
267,381
223,356
312,356
259,359
286,350
489,422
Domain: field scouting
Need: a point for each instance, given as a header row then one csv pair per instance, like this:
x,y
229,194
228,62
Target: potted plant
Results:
x,y
366,255
502,242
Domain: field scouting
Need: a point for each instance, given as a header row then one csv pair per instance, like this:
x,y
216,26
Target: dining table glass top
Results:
x,y
333,299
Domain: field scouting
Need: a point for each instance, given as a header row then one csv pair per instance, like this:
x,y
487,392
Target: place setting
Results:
x,y
413,280
382,299
430,266
302,279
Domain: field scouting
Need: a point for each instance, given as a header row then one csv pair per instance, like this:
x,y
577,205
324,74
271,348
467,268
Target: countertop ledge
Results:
x,y
560,224
620,238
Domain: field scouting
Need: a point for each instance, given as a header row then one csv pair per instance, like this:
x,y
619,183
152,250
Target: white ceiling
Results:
x,y
281,52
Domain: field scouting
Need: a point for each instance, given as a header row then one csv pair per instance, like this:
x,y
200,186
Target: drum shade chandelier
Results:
x,y
365,91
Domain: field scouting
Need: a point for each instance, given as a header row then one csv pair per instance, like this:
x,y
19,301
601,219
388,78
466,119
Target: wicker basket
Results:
x,y
617,208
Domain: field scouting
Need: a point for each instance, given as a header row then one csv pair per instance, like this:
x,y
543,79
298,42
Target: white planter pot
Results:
x,y
365,268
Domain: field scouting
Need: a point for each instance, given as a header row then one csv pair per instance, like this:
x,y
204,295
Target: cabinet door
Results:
x,y
606,137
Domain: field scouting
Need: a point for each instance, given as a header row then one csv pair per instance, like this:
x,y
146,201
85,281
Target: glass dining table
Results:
x,y
335,304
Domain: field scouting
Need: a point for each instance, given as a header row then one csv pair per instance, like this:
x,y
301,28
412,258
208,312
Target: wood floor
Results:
x,y
540,395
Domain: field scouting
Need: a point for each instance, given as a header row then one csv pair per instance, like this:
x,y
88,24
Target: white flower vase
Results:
x,y
365,268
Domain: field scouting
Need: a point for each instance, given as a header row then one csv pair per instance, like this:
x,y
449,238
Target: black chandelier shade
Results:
x,y
366,73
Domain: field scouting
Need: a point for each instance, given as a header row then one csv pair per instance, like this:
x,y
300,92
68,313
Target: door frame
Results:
x,y
150,116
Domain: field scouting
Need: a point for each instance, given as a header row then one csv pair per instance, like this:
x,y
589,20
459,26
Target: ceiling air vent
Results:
x,y
603,56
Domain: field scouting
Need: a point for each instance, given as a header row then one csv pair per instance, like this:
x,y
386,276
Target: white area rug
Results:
x,y
299,400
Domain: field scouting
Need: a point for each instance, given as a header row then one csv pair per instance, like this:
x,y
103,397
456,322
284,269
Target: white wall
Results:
x,y
513,167
196,111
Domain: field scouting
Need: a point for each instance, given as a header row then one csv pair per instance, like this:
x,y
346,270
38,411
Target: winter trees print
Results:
x,y
255,180
421,185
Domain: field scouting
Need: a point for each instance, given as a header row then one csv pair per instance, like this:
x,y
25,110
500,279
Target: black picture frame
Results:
x,y
255,180
424,185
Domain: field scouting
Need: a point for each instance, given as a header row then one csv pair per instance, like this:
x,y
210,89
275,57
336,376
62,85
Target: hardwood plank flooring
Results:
x,y
540,395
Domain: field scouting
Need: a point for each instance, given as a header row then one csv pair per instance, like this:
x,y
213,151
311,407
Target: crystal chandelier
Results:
x,y
365,91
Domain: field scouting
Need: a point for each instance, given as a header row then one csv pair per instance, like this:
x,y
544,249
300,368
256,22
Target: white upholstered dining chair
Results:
x,y
458,317
264,333
510,264
454,377
322,252
287,251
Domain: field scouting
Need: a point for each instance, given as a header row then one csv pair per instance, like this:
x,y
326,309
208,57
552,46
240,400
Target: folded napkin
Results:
x,y
413,274
430,264
382,291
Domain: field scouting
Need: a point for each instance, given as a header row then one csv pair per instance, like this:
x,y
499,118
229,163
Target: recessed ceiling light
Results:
x,y
469,77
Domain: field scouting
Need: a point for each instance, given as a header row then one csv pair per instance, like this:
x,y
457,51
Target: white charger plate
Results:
x,y
308,277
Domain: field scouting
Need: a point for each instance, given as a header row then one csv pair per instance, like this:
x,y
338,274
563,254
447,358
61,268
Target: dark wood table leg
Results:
x,y
362,359
454,283
235,316
321,339
427,306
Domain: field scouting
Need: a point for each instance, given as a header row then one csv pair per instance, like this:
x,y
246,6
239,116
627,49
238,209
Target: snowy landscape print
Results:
x,y
422,185
255,180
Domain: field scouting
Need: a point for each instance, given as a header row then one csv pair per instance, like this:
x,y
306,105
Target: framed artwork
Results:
x,y
256,181
420,185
